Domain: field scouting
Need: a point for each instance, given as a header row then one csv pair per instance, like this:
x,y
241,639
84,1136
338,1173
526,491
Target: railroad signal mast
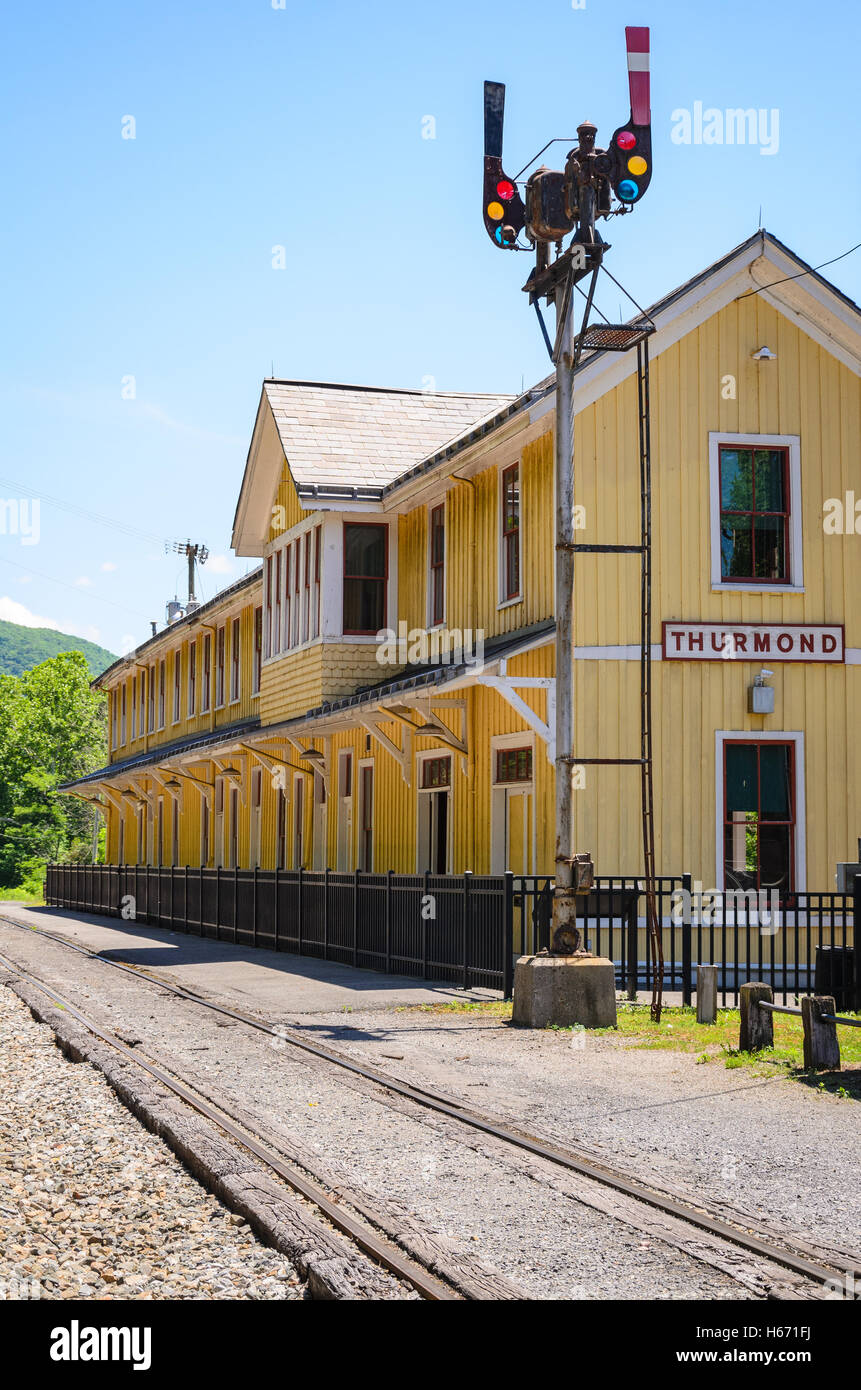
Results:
x,y
554,204
195,553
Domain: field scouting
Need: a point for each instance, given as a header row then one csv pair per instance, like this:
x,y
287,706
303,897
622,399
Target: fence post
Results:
x,y
254,908
707,994
508,935
388,921
633,922
856,940
355,917
465,900
217,901
326,915
200,904
756,1029
277,901
301,908
185,898
821,1048
425,896
687,929
235,898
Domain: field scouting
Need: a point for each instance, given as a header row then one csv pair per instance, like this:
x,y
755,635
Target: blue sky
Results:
x,y
301,127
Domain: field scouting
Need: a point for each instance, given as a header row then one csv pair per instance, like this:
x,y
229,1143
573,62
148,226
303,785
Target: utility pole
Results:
x,y
556,203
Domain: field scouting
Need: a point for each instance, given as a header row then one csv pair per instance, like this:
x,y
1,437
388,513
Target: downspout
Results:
x,y
470,705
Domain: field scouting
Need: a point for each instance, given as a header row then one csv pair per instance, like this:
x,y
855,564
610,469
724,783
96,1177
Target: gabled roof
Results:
x,y
363,444
344,438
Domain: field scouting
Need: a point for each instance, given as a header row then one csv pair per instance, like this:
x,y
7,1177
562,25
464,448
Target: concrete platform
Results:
x,y
235,974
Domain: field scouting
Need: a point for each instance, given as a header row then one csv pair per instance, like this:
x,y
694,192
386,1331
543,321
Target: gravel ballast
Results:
x,y
93,1206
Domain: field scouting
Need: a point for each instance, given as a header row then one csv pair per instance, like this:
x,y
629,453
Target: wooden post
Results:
x,y
757,1025
821,1048
707,993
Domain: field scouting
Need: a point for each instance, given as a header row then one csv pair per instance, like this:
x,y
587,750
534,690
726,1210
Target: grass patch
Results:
x,y
23,895
678,1031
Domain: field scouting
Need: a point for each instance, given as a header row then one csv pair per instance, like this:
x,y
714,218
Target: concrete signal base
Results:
x,y
564,990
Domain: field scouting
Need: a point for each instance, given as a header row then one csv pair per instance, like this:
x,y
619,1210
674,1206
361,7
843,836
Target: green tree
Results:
x,y
52,730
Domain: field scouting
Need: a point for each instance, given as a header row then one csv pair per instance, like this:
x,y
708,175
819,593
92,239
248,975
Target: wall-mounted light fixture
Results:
x,y
765,354
760,697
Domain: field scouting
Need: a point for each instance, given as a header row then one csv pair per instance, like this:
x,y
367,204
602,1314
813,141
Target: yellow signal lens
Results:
x,y
495,211
637,164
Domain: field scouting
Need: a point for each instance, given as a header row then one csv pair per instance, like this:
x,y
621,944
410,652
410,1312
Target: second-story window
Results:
x,y
511,532
288,571
315,587
437,565
234,660
206,682
192,678
133,711
257,663
123,714
151,687
161,680
219,668
365,574
177,679
276,617
297,593
754,514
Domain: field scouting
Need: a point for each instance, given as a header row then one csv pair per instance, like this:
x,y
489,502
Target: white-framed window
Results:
x,y
436,565
123,698
235,661
161,692
254,819
760,820
192,678
365,837
755,513
510,535
177,684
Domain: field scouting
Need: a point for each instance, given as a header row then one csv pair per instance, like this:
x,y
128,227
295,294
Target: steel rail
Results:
x,y
446,1105
379,1250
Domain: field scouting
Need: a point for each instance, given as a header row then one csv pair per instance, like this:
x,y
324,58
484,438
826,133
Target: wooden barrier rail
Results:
x,y
818,1016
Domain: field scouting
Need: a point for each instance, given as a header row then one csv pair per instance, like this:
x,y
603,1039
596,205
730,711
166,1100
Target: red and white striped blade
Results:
x,y
637,43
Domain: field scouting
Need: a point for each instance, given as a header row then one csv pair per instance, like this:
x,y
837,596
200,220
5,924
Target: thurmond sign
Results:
x,y
752,642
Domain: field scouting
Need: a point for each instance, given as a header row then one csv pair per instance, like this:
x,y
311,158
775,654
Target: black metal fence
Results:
x,y
450,928
470,928
783,940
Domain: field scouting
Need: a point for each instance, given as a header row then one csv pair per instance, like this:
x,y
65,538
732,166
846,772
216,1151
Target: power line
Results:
x,y
801,273
40,574
28,491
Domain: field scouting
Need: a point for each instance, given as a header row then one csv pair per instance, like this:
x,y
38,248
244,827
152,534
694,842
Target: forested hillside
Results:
x,y
22,648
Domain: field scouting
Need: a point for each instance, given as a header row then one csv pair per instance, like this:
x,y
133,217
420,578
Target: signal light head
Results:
x,y
495,211
505,190
628,190
626,139
637,165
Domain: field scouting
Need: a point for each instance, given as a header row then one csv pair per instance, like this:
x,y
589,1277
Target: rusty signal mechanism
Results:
x,y
553,199
594,183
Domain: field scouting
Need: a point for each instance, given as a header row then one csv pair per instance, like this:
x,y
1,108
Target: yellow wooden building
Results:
x,y
378,693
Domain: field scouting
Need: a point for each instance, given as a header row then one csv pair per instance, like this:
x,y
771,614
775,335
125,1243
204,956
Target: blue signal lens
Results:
x,y
628,190
498,235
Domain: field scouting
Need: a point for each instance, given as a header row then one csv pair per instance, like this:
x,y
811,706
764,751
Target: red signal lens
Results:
x,y
506,190
626,140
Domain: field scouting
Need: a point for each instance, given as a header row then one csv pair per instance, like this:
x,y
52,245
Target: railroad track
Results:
x,y
776,1251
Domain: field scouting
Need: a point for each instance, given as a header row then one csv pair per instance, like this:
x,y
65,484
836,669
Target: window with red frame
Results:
x,y
754,515
511,531
436,772
234,660
366,569
514,765
759,815
258,651
437,565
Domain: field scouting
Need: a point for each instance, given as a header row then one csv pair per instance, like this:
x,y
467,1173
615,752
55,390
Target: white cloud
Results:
x,y
107,566
220,564
13,612
128,642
